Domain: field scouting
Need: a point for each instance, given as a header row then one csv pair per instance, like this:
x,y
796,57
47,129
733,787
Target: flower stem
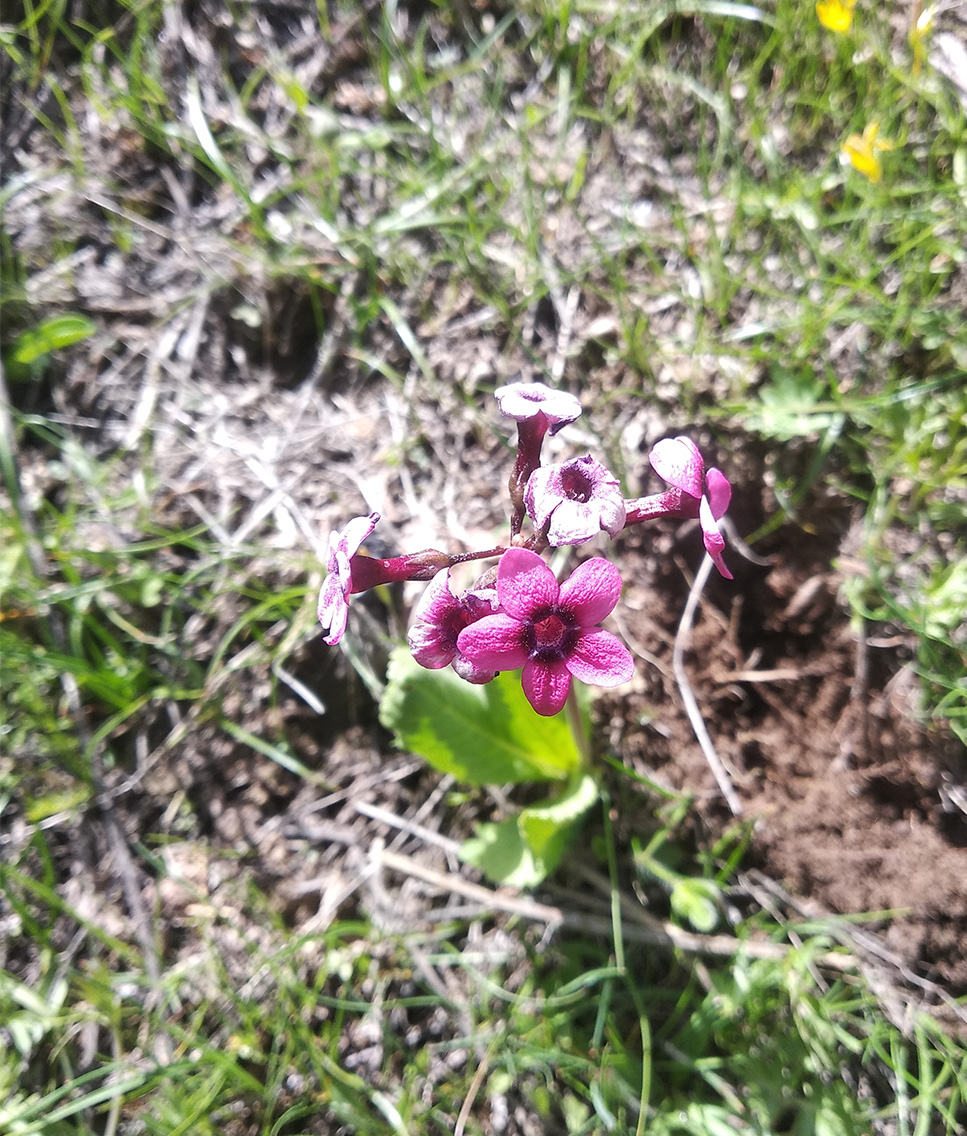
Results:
x,y
572,712
487,553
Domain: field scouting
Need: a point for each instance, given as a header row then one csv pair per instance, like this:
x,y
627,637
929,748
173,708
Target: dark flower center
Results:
x,y
551,635
456,620
577,485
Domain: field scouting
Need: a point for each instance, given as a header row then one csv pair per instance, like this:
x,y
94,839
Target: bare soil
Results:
x,y
854,804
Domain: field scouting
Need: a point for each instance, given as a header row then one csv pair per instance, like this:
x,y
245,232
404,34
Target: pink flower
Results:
x,y
525,401
537,408
439,618
576,499
338,584
550,629
694,493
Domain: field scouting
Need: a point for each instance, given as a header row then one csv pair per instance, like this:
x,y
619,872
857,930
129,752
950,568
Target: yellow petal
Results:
x,y
837,15
862,157
871,136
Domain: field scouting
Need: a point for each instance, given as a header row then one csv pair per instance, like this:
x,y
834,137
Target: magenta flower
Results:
x,y
537,409
550,629
439,618
338,584
693,493
538,403
575,499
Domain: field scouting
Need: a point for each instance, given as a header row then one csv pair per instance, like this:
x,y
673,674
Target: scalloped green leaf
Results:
x,y
524,849
481,734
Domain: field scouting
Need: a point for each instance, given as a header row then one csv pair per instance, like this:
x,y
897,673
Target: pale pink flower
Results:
x,y
576,499
439,618
338,584
537,409
694,492
526,401
550,629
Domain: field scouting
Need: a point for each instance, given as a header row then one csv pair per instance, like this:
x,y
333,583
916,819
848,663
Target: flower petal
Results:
x,y
718,489
543,494
574,522
711,537
333,609
433,634
494,643
612,513
527,400
591,591
471,673
546,686
525,584
602,659
677,461
352,536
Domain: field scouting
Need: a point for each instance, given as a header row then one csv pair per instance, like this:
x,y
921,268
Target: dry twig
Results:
x,y
691,706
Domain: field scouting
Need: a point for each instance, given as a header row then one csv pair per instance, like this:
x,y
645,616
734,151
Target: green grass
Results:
x,y
756,1042
828,315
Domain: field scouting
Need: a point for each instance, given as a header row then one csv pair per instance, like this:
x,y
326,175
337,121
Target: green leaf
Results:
x,y
481,734
58,331
524,849
790,406
946,606
37,810
694,900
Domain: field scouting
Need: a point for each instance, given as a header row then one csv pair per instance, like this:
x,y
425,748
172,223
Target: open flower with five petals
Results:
x,y
349,571
536,403
575,500
550,629
439,618
694,492
338,584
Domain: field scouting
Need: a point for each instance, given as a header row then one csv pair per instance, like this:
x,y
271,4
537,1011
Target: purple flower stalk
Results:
x,y
550,629
439,618
370,571
538,410
338,584
693,493
574,500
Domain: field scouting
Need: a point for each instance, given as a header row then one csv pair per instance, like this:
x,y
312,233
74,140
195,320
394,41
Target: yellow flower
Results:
x,y
862,151
837,15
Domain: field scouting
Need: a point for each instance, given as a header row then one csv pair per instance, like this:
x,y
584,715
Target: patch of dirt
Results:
x,y
853,805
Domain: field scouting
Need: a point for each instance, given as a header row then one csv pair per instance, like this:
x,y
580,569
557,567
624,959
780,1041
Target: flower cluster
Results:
x,y
518,616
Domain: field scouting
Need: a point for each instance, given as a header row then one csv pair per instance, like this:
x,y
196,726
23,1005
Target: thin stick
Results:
x,y
468,1100
691,706
639,926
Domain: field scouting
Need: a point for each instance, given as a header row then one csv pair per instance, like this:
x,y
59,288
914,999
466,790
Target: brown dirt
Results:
x,y
853,805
